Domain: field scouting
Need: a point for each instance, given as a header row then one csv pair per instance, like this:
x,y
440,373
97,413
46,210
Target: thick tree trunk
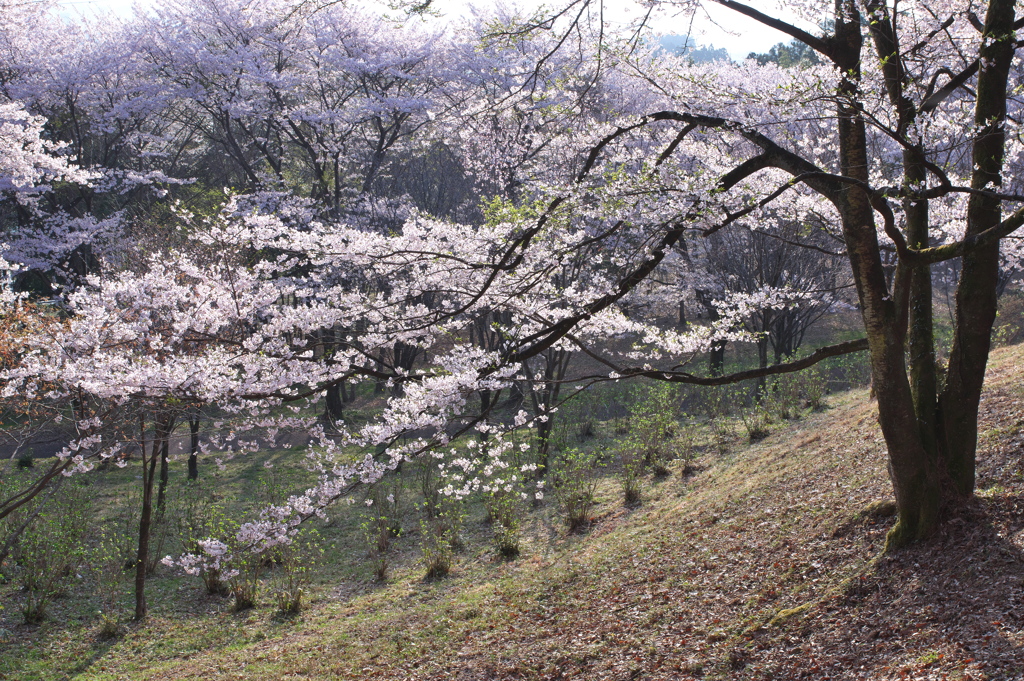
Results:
x,y
335,403
716,359
979,275
911,469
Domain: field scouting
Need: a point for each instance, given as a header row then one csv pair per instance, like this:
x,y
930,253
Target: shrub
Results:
x,y
756,420
686,435
784,396
441,537
198,518
1008,328
631,473
26,459
717,403
243,578
429,479
574,484
379,526
503,507
651,426
51,548
299,561
113,554
815,388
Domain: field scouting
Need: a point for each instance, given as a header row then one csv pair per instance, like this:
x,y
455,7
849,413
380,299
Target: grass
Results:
x,y
764,564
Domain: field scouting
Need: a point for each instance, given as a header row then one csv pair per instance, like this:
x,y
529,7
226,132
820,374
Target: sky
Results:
x,y
714,25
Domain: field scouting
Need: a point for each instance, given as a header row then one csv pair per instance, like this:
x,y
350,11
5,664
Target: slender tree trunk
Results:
x,y
145,520
193,456
762,362
165,446
920,338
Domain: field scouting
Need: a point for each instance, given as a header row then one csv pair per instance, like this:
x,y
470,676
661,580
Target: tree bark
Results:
x,y
165,446
145,519
914,479
979,275
334,407
193,457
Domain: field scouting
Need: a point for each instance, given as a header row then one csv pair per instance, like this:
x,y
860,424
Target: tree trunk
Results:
x,y
165,446
913,474
716,359
145,519
193,457
334,407
979,275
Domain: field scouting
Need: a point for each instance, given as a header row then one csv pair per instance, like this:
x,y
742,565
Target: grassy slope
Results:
x,y
761,566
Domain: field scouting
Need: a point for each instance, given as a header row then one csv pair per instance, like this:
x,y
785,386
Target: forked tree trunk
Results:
x,y
932,440
161,431
911,469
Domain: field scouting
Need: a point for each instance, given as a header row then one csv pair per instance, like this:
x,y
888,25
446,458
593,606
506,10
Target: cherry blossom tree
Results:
x,y
596,159
905,125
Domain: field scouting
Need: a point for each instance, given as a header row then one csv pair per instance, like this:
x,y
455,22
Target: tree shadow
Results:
x,y
953,605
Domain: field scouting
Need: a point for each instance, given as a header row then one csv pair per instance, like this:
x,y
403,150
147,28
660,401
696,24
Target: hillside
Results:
x,y
763,565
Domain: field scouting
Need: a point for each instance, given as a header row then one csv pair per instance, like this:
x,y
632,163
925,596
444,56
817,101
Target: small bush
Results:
x,y
244,579
51,548
197,517
756,421
784,396
381,523
685,438
652,425
1009,325
441,537
299,561
109,627
377,533
574,484
717,404
815,388
503,507
722,433
429,478
26,459
108,561
632,466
